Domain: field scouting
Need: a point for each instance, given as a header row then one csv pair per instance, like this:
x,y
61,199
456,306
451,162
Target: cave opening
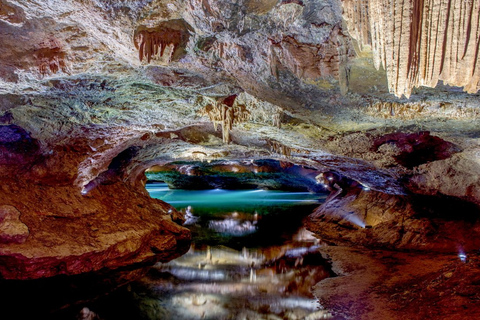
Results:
x,y
250,254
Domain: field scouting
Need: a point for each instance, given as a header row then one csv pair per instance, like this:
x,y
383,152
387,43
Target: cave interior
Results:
x,y
373,103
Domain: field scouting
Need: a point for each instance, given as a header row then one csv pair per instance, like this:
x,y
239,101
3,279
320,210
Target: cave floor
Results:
x,y
378,284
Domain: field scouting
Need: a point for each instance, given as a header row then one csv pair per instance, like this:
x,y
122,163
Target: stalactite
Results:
x,y
151,43
262,111
410,111
404,111
419,42
277,120
279,148
226,112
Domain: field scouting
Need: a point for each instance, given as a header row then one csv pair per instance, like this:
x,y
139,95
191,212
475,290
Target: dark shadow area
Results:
x,y
417,148
445,207
63,297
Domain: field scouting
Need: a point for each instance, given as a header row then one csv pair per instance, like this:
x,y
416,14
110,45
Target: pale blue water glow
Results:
x,y
250,257
247,200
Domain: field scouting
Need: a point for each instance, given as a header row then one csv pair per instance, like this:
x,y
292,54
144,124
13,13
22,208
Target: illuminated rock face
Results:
x,y
92,93
420,42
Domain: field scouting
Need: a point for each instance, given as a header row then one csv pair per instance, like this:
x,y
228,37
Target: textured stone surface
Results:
x,y
420,42
375,284
12,229
89,101
457,176
70,233
372,219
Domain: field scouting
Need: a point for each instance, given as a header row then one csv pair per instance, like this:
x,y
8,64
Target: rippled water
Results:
x,y
250,258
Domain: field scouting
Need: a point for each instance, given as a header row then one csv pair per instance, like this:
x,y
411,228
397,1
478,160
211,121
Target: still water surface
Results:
x,y
250,257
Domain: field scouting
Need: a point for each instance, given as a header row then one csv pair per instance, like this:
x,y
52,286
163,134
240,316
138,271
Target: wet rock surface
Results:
x,y
64,232
93,93
375,284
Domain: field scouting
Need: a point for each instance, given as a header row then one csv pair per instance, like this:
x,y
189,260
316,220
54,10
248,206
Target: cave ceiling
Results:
x,y
382,97
206,80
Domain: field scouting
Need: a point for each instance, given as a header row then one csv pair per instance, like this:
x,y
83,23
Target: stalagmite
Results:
x,y
420,42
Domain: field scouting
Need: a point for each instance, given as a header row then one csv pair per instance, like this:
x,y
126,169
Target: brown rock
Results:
x,y
12,229
65,232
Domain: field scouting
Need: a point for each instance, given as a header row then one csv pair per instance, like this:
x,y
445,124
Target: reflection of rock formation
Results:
x,y
189,217
278,276
420,42
233,227
151,43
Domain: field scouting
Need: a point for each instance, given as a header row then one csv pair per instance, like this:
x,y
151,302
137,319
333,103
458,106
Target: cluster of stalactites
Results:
x,y
419,42
226,112
152,43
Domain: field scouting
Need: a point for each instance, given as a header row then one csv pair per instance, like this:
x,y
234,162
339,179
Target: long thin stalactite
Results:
x,y
419,42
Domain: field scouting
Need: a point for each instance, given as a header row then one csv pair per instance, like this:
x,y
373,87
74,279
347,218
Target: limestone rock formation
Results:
x,y
420,43
371,219
93,93
152,42
61,231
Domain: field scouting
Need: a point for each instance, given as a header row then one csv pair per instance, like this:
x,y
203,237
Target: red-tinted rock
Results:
x,y
417,148
69,233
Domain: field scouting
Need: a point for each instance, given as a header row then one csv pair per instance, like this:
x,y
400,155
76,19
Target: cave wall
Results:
x,y
92,93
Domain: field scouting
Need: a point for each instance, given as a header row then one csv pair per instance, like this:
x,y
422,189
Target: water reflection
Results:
x,y
250,258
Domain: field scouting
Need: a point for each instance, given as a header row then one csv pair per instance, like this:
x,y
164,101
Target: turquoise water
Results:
x,y
222,200
250,258
239,218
